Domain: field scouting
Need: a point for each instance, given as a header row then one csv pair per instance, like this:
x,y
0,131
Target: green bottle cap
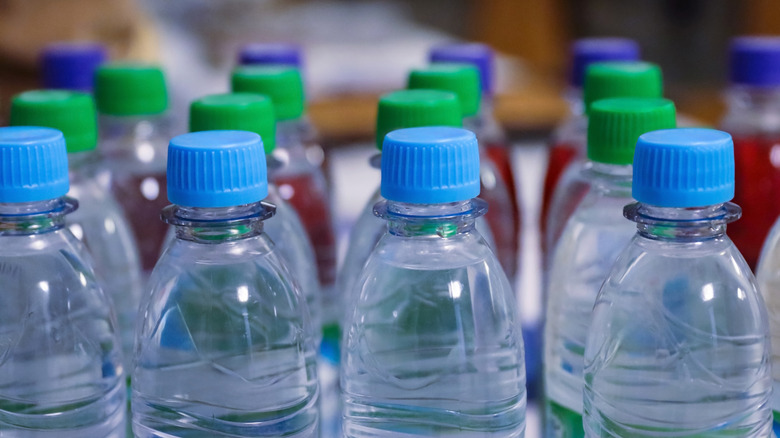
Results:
x,y
604,80
68,111
236,112
461,79
614,125
415,108
281,83
129,89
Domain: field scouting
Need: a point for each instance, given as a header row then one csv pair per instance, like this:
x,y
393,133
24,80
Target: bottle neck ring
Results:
x,y
682,224
217,225
38,217
430,220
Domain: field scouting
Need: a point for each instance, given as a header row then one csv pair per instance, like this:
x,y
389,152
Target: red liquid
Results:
x,y
757,191
561,156
307,194
499,154
143,197
502,217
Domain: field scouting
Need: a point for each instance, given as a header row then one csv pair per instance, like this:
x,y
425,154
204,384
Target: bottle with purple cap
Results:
x,y
71,65
277,53
753,118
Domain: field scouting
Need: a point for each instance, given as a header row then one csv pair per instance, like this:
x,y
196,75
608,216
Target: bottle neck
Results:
x,y
25,218
137,135
609,179
743,97
218,225
430,220
81,164
573,97
682,224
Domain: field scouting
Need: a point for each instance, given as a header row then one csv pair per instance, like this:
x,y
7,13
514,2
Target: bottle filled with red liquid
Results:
x,y
568,142
134,132
602,80
753,119
502,216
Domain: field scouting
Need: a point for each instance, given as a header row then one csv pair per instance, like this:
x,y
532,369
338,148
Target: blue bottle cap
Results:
x,y
71,65
480,56
586,51
755,61
687,167
430,165
216,169
287,54
33,164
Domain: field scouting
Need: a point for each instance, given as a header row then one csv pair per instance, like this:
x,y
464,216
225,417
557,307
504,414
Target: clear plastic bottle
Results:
x,y
226,346
299,179
434,345
591,241
99,222
679,338
61,371
255,113
768,274
753,118
568,140
502,215
134,131
71,65
603,80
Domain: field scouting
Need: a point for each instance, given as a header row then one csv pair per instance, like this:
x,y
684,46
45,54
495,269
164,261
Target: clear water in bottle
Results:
x,y
768,274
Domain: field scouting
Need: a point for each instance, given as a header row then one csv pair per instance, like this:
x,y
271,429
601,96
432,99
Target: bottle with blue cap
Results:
x,y
226,346
594,237
753,118
61,371
71,65
679,337
276,53
434,345
99,221
134,130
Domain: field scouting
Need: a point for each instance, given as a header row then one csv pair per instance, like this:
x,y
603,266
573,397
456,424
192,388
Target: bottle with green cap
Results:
x,y
134,130
564,186
678,342
300,178
99,222
61,370
225,346
503,216
594,236
255,113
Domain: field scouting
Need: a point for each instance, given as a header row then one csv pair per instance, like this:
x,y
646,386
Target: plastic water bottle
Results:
x,y
591,242
753,118
679,338
502,215
134,131
602,81
484,124
434,346
226,347
61,370
300,179
278,53
768,274
568,141
255,113
71,65
99,222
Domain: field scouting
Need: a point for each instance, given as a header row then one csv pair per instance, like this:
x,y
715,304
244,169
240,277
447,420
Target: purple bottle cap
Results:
x,y
287,54
755,61
71,65
588,50
479,55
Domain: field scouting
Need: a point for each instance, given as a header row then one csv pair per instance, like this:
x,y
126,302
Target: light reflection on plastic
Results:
x,y
708,292
286,191
109,225
44,285
243,294
150,188
77,231
456,288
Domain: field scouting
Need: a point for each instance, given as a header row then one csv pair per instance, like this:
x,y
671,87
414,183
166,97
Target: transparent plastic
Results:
x,y
434,346
226,346
61,372
497,188
768,274
753,119
134,153
679,340
100,224
594,237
